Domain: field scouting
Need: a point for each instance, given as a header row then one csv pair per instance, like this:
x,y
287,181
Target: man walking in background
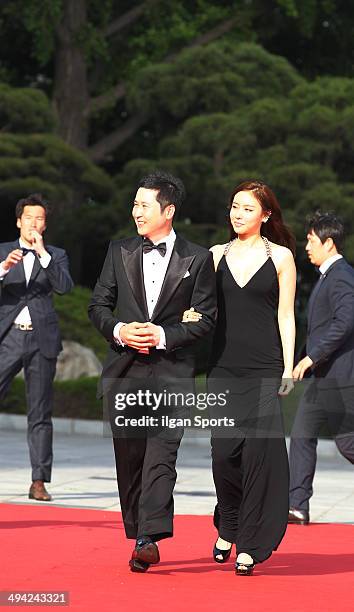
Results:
x,y
150,280
329,396
30,272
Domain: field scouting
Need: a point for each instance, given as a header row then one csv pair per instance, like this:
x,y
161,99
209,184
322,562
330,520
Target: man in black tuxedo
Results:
x,y
29,333
150,280
329,359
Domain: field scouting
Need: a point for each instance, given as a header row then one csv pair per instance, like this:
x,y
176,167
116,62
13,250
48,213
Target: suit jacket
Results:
x,y
15,295
189,281
330,329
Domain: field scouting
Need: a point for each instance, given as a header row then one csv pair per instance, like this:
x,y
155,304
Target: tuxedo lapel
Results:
x,y
17,273
37,267
35,270
177,267
133,266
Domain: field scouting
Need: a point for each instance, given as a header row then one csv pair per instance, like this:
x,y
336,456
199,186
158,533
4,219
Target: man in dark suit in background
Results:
x,y
329,396
151,279
29,333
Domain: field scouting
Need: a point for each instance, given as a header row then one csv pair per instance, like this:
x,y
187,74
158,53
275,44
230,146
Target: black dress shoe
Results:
x,y
298,517
145,553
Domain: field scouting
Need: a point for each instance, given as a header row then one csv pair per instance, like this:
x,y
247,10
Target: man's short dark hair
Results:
x,y
171,189
327,225
34,199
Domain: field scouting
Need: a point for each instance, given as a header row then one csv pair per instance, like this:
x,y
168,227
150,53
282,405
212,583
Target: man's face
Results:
x,y
150,221
32,219
316,251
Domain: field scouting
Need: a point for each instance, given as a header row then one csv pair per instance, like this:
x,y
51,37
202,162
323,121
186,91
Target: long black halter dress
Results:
x,y
250,463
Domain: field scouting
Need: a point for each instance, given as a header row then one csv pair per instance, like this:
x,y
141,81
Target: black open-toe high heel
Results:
x,y
225,554
244,569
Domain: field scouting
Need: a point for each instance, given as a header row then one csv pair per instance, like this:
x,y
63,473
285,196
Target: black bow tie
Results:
x,y
25,251
150,246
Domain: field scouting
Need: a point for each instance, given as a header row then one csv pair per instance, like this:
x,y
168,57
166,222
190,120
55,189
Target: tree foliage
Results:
x,y
268,122
24,110
85,54
186,86
79,191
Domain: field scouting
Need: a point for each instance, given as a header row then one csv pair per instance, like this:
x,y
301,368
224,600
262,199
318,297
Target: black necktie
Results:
x,y
322,274
150,246
25,251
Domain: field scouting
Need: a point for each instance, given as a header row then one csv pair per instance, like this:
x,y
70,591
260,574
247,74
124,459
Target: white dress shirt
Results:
x,y
327,264
24,316
154,272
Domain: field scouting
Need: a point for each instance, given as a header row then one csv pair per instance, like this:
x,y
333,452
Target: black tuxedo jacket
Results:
x,y
15,295
189,281
330,329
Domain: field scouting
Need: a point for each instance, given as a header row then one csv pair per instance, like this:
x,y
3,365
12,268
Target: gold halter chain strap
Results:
x,y
267,246
228,246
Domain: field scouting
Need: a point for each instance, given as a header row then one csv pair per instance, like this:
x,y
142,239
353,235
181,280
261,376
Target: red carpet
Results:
x,y
47,548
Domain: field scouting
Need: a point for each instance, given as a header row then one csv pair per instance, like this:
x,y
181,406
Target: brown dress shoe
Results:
x,y
143,556
138,566
39,492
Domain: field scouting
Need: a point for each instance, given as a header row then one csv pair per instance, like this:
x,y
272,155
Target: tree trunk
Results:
x,y
101,150
70,85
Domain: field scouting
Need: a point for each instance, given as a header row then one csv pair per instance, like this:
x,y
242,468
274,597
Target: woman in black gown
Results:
x,y
252,357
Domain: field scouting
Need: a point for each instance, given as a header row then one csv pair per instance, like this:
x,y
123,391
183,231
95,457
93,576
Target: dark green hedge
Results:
x,y
74,322
72,398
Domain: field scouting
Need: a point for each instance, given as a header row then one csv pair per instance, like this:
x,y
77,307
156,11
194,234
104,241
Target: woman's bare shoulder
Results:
x,y
218,248
281,252
217,251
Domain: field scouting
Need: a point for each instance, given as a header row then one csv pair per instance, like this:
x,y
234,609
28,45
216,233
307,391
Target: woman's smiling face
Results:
x,y
246,214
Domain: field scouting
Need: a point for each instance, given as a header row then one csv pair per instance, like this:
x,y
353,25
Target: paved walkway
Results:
x,y
84,476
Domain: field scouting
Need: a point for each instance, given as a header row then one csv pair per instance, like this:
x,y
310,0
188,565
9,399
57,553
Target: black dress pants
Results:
x,y
145,462
20,349
323,402
146,478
